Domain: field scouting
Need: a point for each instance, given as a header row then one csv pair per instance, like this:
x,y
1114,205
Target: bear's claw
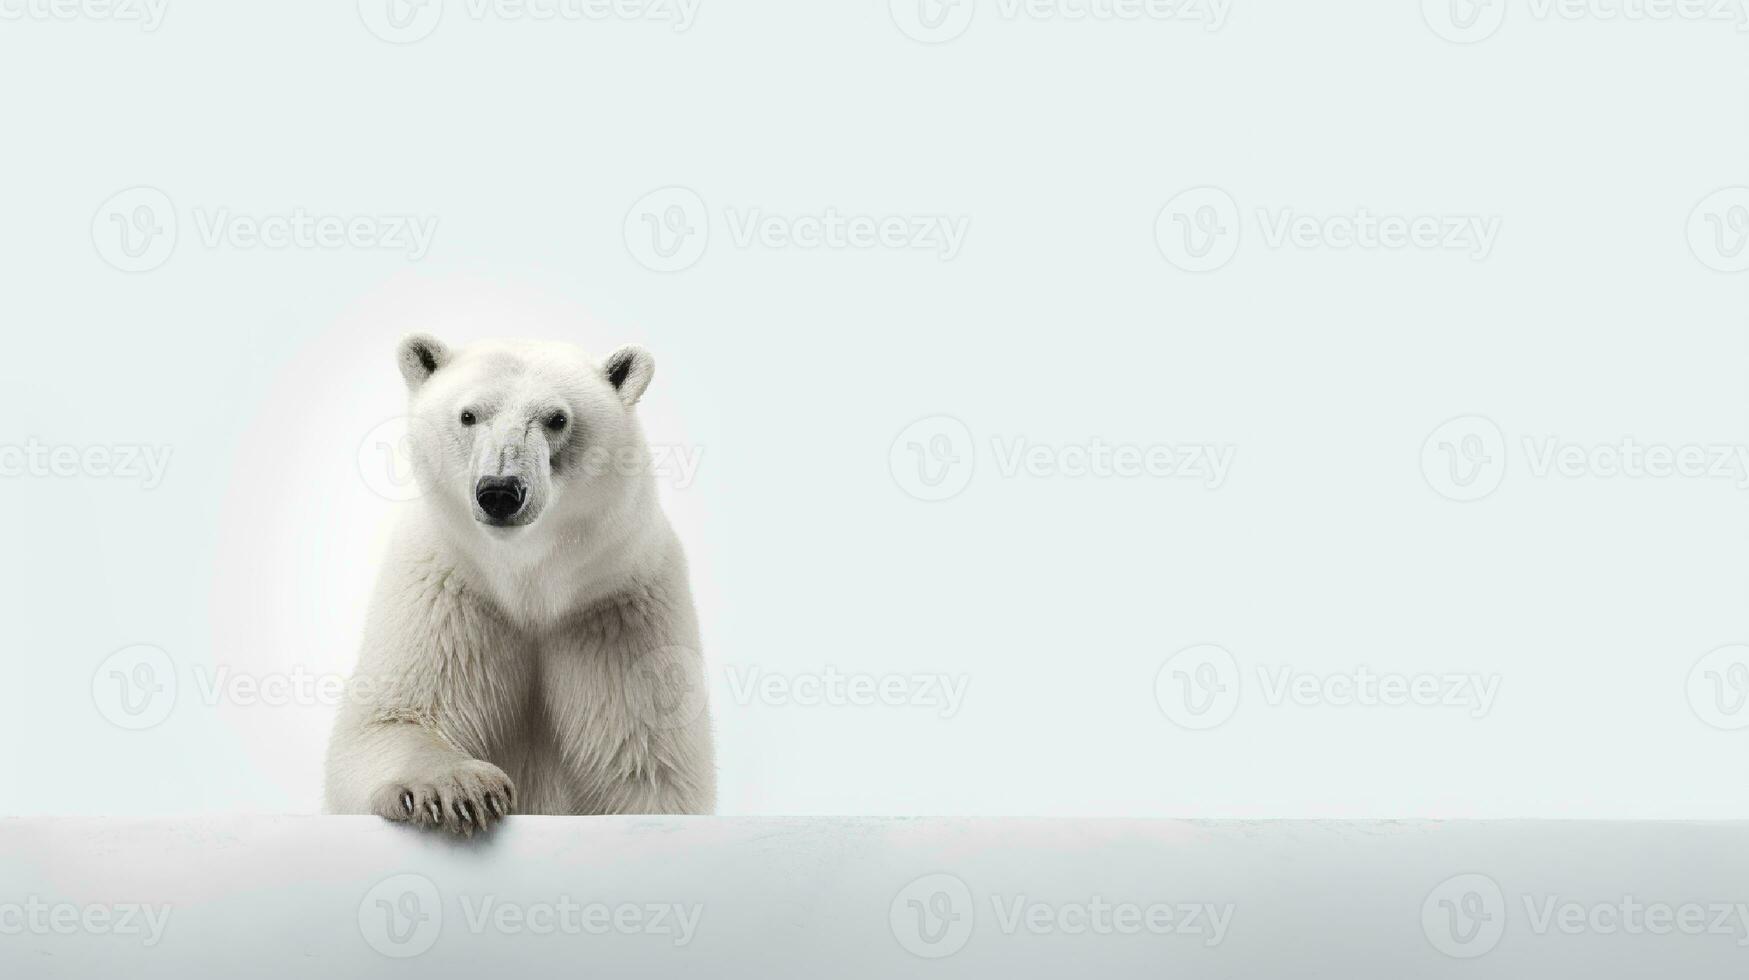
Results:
x,y
473,795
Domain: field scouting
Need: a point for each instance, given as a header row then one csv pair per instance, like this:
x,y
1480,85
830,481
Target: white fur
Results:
x,y
552,667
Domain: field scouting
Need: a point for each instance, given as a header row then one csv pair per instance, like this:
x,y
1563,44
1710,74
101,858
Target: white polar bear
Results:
x,y
532,642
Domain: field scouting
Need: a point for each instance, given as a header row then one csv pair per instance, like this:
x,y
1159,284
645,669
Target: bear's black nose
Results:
x,y
500,497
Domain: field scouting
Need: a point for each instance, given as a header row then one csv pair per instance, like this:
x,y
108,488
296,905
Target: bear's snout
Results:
x,y
501,498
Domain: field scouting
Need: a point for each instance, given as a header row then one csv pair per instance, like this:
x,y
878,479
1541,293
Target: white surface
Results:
x,y
1055,599
302,897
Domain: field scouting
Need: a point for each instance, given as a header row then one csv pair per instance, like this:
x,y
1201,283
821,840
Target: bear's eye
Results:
x,y
556,421
468,418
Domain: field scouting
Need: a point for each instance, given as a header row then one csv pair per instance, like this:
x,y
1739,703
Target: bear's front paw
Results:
x,y
465,799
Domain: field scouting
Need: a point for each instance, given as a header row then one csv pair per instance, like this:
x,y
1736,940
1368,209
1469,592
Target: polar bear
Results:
x,y
531,643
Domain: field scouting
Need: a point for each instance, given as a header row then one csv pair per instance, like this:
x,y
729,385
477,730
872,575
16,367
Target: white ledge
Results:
x,y
335,897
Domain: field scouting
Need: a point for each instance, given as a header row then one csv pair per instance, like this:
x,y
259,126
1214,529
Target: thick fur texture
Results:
x,y
545,662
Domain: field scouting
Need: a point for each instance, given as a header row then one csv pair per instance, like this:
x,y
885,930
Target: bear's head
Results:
x,y
514,433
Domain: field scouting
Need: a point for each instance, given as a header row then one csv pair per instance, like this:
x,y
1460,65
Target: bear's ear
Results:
x,y
420,355
629,370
